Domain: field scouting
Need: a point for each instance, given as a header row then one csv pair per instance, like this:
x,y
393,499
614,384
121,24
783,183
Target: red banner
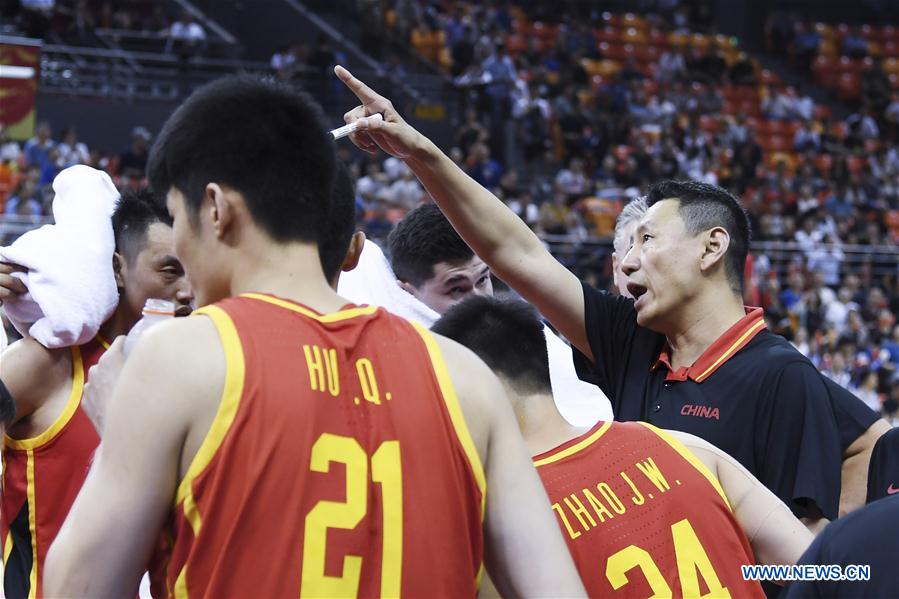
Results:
x,y
20,62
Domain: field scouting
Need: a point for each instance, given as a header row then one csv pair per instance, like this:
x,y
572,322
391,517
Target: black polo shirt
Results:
x,y
883,472
853,416
751,393
868,536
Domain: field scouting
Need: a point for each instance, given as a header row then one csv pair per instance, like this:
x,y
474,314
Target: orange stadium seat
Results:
x,y
635,21
678,40
632,35
824,30
828,48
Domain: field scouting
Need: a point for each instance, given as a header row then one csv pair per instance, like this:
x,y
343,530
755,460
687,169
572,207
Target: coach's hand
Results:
x,y
11,286
102,379
392,134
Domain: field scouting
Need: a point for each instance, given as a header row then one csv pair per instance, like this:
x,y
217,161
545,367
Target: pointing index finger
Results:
x,y
365,94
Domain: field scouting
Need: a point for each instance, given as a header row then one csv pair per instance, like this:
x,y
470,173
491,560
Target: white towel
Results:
x,y
373,282
71,284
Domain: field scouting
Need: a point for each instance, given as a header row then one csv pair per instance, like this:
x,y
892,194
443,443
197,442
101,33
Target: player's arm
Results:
x,y
776,535
524,550
10,286
32,373
495,233
856,459
105,544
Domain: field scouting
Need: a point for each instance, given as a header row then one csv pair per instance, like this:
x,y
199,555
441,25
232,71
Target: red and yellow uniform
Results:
x,y
41,478
338,464
644,517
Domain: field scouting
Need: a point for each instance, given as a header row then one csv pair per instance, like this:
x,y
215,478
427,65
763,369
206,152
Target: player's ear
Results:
x,y
407,287
357,244
219,202
119,267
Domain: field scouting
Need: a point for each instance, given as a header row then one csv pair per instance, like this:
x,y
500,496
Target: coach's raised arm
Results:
x,y
686,354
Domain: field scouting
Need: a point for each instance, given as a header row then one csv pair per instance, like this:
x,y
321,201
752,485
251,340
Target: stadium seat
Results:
x,y
824,70
608,34
849,87
633,35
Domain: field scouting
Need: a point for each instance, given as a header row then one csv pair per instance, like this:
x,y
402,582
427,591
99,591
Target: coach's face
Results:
x,y
662,266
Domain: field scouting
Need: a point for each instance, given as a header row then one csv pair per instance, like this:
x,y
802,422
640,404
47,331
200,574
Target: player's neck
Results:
x,y
704,320
118,324
542,426
290,271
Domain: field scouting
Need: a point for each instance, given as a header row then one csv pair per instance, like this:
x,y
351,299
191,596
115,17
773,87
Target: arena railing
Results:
x,y
585,253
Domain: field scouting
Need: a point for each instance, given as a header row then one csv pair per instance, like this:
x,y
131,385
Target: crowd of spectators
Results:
x,y
27,170
589,139
77,21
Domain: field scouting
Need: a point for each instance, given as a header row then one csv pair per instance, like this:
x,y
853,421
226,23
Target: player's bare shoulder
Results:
x,y
477,388
34,374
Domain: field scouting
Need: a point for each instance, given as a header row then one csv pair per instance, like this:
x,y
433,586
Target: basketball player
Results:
x,y
51,439
312,447
644,511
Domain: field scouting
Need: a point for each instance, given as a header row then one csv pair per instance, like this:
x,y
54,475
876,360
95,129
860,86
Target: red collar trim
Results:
x,y
733,340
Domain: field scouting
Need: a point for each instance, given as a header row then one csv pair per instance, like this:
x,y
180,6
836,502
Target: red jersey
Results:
x,y
41,478
644,517
338,464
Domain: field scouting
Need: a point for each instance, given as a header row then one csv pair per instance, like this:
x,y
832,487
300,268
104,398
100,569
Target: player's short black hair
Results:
x,y
262,138
7,405
422,239
135,211
507,334
335,242
703,206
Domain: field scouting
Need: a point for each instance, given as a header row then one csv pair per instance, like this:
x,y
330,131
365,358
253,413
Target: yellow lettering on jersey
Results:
x,y
602,512
651,471
580,511
573,534
606,491
332,372
693,562
316,368
638,496
367,379
322,364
